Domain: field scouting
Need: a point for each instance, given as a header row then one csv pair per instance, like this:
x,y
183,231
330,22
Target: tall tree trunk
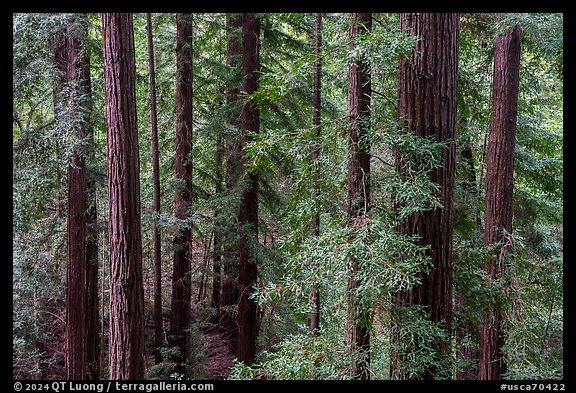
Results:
x,y
83,330
499,190
181,281
158,324
467,330
427,104
81,71
317,104
248,220
76,263
230,269
359,95
217,245
126,347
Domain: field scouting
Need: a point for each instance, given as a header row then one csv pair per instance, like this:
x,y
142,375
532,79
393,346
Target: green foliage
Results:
x,y
298,357
418,340
294,189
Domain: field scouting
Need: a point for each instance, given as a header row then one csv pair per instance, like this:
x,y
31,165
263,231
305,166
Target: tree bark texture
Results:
x,y
359,94
230,292
76,262
248,220
126,346
83,330
427,95
158,324
81,72
499,189
316,121
181,281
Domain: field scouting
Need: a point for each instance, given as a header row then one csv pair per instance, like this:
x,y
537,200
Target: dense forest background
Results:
x,y
288,196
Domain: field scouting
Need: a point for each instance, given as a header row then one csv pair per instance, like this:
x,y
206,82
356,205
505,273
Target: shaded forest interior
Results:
x,y
251,196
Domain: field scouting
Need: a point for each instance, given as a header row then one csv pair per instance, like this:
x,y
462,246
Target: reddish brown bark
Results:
x,y
181,283
79,69
158,324
316,121
248,220
126,340
359,94
499,190
76,262
83,335
427,105
230,293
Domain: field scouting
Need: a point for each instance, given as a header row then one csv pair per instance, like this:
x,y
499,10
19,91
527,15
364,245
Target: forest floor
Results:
x,y
213,356
219,357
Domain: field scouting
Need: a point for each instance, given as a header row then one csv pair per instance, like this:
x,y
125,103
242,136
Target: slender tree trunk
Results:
x,y
76,263
248,220
230,292
181,281
81,71
126,348
499,190
427,105
359,95
216,271
83,335
158,324
467,352
466,155
317,104
217,245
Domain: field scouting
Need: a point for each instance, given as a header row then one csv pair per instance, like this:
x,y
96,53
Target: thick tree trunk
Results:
x,y
158,324
126,347
499,190
76,263
427,105
181,282
359,95
230,292
248,220
317,105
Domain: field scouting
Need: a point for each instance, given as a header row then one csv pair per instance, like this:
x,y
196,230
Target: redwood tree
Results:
x,y
76,262
83,329
427,106
158,325
217,244
317,105
499,190
229,269
181,282
126,285
359,95
248,220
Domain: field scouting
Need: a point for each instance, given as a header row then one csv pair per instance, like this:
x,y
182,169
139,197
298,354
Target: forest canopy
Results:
x,y
288,196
